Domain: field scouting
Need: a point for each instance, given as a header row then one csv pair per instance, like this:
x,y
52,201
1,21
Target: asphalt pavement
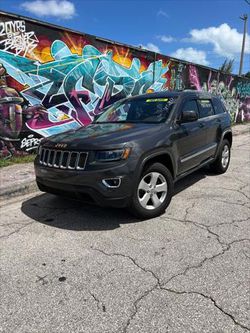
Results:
x,y
69,267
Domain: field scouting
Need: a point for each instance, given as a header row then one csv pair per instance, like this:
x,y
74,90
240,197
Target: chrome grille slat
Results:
x,y
41,156
63,159
48,157
45,159
68,160
77,159
81,166
51,158
54,158
57,158
71,160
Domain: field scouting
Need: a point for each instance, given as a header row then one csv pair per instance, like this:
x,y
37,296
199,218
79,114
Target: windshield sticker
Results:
x,y
157,100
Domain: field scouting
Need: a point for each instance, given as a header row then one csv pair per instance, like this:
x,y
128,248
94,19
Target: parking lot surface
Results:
x,y
69,267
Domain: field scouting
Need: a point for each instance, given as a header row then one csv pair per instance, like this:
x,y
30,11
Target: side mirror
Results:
x,y
188,116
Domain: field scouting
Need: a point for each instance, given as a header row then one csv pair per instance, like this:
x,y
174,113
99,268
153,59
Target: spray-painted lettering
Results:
x,y
53,81
30,143
14,37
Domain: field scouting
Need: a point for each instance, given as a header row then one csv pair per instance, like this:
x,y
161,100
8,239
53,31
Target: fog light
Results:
x,y
112,182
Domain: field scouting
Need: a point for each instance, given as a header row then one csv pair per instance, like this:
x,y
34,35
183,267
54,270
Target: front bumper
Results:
x,y
87,185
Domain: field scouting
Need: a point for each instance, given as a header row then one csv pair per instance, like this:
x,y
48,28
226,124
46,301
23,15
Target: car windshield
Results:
x,y
139,110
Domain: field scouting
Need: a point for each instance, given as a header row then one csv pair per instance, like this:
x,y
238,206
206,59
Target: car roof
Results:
x,y
174,93
160,94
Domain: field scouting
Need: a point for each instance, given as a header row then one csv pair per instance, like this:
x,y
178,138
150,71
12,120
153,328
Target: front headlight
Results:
x,y
112,155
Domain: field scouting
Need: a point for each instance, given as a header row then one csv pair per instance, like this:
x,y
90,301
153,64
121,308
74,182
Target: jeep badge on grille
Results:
x,y
61,145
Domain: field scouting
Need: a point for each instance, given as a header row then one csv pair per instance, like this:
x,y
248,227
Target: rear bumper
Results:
x,y
87,185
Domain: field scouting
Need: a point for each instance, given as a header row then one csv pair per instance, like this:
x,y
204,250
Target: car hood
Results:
x,y
102,136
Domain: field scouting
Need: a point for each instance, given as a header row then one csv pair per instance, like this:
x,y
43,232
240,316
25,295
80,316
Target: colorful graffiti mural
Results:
x,y
53,80
236,98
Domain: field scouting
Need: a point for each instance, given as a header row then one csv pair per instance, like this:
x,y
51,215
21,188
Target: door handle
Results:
x,y
201,124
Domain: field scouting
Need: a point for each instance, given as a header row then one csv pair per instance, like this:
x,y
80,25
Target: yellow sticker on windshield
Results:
x,y
157,100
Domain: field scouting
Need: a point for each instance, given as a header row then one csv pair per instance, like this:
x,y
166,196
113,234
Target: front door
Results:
x,y
191,140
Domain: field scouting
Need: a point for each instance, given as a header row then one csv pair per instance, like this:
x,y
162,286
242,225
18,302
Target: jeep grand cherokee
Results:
x,y
132,154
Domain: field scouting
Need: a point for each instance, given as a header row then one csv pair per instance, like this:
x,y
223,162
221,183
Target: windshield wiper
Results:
x,y
129,122
117,122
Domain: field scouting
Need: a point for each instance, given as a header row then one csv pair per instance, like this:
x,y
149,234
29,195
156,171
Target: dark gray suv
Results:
x,y
132,154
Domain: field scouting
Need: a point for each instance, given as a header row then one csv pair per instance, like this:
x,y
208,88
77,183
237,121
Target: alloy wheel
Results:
x,y
152,190
225,156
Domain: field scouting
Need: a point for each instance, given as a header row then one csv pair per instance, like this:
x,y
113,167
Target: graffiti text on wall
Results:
x,y
234,97
16,38
73,89
30,143
52,81
243,89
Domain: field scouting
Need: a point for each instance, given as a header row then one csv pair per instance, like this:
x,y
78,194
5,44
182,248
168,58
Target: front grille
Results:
x,y
63,159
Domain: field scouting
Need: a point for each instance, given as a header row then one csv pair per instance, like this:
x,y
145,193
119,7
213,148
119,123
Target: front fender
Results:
x,y
145,158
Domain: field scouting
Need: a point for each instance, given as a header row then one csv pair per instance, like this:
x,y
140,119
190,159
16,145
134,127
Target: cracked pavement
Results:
x,y
69,267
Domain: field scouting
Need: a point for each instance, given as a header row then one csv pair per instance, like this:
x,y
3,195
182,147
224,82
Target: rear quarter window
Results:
x,y
218,106
205,108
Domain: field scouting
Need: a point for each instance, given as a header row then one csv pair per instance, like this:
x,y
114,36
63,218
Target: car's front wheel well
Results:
x,y
164,159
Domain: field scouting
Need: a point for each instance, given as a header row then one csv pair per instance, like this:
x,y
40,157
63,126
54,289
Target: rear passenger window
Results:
x,y
218,106
190,106
206,108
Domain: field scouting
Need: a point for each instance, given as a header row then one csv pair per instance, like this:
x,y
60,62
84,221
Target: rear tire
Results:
x,y
221,164
153,192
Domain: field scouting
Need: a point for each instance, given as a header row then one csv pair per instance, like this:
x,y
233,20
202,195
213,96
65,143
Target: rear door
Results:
x,y
212,123
191,139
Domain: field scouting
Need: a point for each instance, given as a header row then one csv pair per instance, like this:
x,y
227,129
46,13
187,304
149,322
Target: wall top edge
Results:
x,y
109,41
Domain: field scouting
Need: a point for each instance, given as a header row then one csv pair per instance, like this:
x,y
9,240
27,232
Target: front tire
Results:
x,y
222,161
153,192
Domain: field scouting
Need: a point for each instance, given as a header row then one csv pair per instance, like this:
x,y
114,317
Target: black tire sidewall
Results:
x,y
217,166
224,143
136,207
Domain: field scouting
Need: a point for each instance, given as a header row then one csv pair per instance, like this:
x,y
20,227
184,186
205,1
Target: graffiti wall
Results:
x,y
53,80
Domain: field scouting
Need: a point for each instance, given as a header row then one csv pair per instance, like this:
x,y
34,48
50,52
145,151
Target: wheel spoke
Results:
x,y
144,186
161,187
156,201
144,200
154,178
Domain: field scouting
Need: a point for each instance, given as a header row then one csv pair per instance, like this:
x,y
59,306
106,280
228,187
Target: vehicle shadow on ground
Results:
x,y
68,214
191,179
